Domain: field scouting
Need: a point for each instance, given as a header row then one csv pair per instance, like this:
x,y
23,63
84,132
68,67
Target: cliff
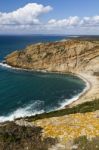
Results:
x,y
67,56
76,56
75,127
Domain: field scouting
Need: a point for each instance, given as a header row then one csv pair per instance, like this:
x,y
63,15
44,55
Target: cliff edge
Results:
x,y
66,129
76,56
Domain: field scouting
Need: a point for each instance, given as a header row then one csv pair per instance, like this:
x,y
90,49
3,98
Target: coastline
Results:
x,y
91,93
68,102
83,93
77,57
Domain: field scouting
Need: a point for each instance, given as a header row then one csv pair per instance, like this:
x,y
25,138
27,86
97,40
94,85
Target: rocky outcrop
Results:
x,y
67,56
76,56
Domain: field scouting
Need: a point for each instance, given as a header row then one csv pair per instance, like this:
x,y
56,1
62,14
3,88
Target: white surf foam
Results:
x,y
5,65
30,110
76,97
68,101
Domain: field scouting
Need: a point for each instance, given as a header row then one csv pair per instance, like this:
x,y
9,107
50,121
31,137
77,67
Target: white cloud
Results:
x,y
74,25
27,20
75,22
71,21
90,21
26,15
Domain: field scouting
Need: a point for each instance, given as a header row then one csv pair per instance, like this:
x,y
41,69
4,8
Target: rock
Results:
x,y
72,56
67,56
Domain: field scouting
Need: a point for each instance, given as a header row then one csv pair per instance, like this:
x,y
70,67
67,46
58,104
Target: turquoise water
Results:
x,y
25,93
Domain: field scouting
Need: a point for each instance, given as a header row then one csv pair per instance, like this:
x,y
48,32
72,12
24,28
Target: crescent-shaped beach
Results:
x,y
79,57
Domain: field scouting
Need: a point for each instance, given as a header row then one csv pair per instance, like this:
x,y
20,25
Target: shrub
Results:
x,y
29,58
82,143
81,108
14,137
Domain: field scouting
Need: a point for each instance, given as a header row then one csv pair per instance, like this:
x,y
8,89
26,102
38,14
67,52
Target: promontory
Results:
x,y
77,56
75,127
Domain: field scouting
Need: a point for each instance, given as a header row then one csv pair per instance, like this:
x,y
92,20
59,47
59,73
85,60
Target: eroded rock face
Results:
x,y
67,56
75,56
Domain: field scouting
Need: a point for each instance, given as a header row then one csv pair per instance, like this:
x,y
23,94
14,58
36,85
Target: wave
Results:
x,y
5,65
76,97
33,109
69,101
30,110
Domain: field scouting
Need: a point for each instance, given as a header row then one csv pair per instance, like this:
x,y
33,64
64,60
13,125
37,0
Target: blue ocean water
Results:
x,y
25,93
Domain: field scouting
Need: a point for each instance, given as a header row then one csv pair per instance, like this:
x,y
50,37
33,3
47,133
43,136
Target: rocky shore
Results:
x,y
80,57
77,125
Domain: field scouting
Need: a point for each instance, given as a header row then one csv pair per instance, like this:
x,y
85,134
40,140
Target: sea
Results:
x,y
25,93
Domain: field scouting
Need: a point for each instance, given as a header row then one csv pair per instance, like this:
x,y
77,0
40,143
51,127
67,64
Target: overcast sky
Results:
x,y
49,17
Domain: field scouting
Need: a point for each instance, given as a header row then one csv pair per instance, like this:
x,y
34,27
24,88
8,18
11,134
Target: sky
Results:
x,y
75,17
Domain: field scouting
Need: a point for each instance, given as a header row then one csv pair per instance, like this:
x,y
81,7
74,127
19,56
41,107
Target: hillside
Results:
x,y
76,56
67,56
77,125
68,129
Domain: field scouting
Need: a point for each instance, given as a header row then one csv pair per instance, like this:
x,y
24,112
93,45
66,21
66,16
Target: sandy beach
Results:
x,y
78,57
89,93
92,91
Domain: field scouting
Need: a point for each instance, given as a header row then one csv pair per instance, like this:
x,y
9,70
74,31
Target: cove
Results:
x,y
25,93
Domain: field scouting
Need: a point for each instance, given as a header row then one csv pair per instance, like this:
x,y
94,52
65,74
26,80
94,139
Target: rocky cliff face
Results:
x,y
67,56
76,56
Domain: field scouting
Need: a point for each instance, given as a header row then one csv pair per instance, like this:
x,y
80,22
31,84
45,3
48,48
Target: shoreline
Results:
x,y
92,93
69,102
85,55
84,92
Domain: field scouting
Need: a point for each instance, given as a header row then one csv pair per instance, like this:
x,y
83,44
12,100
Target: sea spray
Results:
x,y
29,110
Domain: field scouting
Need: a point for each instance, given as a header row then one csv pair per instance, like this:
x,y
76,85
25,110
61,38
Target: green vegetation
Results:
x,y
82,143
29,58
14,137
21,52
81,108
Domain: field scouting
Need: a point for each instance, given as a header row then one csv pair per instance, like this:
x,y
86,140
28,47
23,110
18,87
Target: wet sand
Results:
x,y
93,89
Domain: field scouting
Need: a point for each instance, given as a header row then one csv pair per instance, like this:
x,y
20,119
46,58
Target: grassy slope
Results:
x,y
81,108
14,137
